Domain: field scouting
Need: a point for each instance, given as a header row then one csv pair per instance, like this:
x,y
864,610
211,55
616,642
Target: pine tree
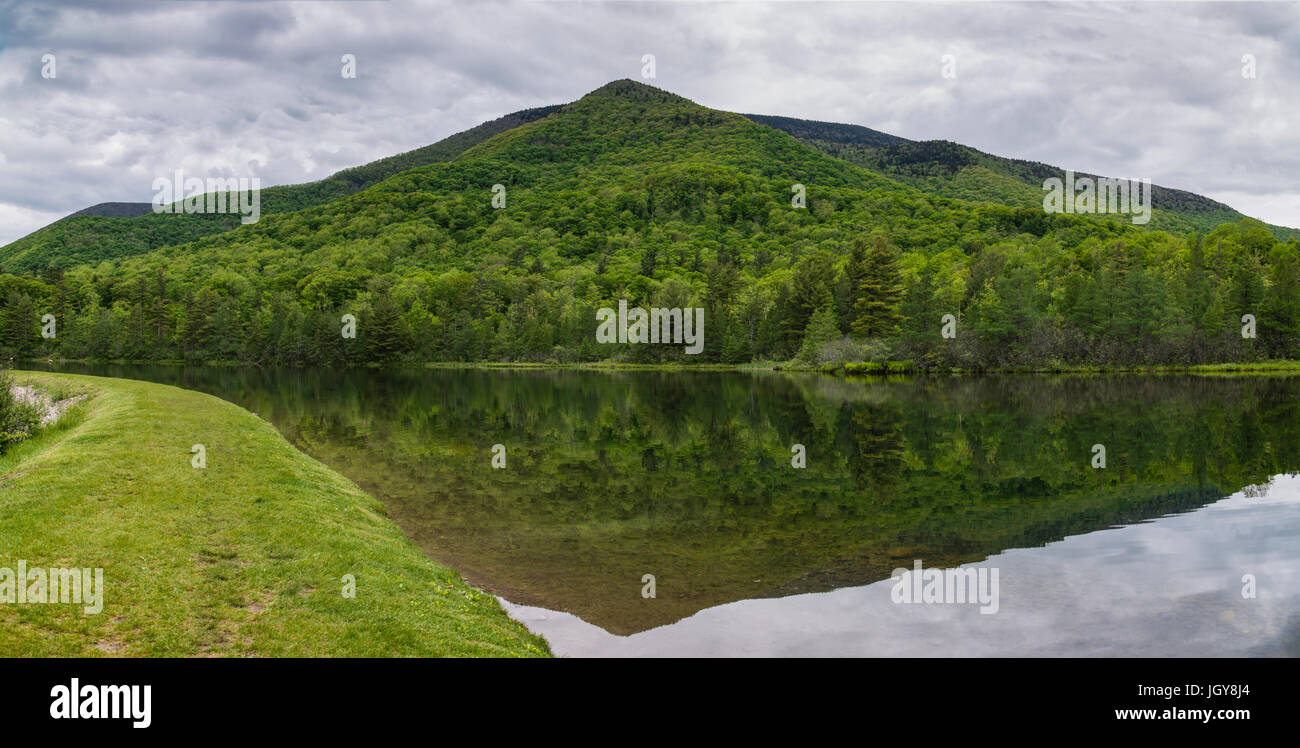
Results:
x,y
1279,321
810,290
822,329
879,292
847,287
383,331
1246,291
1198,293
921,313
197,331
326,345
19,325
650,261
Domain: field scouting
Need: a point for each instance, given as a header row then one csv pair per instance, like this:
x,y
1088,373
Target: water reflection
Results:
x,y
688,476
1169,588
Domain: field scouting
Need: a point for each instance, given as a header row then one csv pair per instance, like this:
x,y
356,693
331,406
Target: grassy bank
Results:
x,y
242,557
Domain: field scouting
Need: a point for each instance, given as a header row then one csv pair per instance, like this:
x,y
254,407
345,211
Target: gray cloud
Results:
x,y
253,88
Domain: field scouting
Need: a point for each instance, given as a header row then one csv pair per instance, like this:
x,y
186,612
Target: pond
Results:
x,y
764,513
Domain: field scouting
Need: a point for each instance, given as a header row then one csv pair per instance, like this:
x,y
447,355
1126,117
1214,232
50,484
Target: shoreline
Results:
x,y
849,370
245,555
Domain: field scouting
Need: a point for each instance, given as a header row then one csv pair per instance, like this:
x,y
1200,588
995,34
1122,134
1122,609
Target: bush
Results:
x,y
846,349
877,368
17,419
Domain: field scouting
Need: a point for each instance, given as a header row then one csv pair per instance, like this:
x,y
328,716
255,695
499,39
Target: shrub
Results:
x,y
17,419
847,349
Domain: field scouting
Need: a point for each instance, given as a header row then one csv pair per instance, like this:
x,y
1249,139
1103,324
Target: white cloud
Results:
x,y
19,221
1282,209
1152,90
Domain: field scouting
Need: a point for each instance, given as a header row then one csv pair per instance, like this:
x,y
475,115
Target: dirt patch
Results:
x,y
110,647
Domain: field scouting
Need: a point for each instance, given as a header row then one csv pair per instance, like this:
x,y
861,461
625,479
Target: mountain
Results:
x,y
953,170
939,167
811,131
950,169
116,210
503,245
110,230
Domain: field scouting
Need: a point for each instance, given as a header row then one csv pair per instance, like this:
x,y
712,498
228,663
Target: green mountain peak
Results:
x,y
626,89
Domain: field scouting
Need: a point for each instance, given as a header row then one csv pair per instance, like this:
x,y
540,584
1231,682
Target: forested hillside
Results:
x,y
829,132
954,170
634,193
111,230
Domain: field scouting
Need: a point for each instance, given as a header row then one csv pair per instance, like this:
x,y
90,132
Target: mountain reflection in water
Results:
x,y
687,476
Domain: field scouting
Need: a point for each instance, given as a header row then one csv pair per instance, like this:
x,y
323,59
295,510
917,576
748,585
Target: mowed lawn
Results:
x,y
244,557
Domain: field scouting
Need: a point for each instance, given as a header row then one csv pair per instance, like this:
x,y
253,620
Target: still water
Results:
x,y
1186,542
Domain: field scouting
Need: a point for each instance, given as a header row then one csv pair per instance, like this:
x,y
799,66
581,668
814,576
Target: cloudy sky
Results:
x,y
235,88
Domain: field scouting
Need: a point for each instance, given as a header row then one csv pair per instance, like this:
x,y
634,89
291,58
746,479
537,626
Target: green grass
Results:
x,y
241,558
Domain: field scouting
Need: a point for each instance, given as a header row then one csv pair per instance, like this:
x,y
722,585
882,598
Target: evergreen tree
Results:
x,y
822,329
810,290
649,261
19,325
1198,293
326,342
880,289
921,314
1246,292
1279,321
383,330
849,283
197,331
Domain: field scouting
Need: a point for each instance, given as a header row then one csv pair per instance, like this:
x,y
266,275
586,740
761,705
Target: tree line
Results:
x,y
635,194
1140,298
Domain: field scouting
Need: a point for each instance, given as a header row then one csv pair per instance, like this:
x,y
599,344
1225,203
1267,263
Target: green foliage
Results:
x,y
633,193
822,329
105,235
242,559
953,170
17,419
880,289
1280,320
612,473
